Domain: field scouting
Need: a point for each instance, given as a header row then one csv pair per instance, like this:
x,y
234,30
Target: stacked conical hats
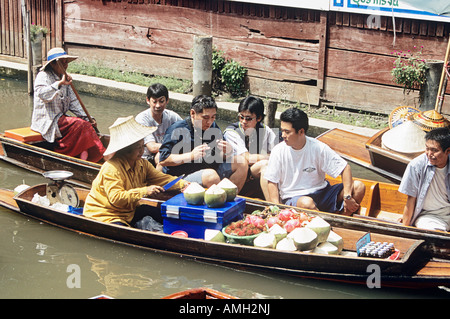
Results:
x,y
406,138
401,114
428,120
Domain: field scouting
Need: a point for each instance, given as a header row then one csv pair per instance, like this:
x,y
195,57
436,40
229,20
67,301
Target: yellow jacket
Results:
x,y
117,189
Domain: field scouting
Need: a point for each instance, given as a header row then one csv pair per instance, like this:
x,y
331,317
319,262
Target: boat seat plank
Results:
x,y
347,144
24,134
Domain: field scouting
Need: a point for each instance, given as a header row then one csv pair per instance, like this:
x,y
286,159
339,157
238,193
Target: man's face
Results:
x,y
435,154
157,105
204,119
290,136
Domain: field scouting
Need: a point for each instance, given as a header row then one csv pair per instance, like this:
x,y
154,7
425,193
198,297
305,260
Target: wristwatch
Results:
x,y
347,197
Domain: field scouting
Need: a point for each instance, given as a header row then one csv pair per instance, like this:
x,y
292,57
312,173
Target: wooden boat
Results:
x,y
199,293
414,268
382,205
368,152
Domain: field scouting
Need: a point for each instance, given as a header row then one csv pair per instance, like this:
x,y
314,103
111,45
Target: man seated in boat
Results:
x,y
158,116
298,166
426,182
125,178
195,147
252,139
53,99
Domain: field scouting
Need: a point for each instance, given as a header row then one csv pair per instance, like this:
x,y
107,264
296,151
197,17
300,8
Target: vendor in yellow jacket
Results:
x,y
125,178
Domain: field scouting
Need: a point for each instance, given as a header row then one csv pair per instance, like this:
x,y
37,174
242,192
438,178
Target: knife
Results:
x,y
170,184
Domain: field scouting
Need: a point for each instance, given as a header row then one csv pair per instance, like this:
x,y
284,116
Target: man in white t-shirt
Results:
x,y
156,115
298,166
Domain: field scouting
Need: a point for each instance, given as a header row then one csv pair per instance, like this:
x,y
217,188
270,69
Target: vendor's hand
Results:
x,y
199,152
350,206
154,189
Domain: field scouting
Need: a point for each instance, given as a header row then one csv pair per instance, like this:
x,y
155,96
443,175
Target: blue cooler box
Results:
x,y
195,219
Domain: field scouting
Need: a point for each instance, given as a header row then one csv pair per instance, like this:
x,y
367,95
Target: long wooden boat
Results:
x,y
414,268
199,293
368,152
382,205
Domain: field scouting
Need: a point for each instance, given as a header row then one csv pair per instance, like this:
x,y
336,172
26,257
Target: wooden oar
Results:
x,y
78,97
443,82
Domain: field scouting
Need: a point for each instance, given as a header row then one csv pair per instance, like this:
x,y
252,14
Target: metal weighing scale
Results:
x,y
59,191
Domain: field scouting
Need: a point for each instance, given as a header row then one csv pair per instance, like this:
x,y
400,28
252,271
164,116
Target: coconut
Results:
x,y
278,231
321,227
286,244
215,196
214,235
265,240
304,238
194,194
229,187
20,189
336,240
326,248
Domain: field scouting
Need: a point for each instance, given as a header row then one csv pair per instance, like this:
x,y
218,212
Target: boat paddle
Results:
x,y
79,99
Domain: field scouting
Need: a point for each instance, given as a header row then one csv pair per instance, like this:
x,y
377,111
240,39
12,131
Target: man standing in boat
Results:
x,y
53,99
298,166
426,182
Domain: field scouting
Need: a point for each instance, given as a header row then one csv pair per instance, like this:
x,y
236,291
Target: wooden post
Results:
x,y
26,24
202,65
271,110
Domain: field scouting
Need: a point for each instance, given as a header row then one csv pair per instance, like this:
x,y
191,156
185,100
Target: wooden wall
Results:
x,y
292,54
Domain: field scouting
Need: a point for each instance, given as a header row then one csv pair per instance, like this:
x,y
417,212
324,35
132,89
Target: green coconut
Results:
x,y
286,244
20,188
304,238
326,248
278,231
230,188
215,196
194,194
336,240
214,235
321,227
265,240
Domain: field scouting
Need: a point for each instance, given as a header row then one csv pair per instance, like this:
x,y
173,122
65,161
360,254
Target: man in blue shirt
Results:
x,y
195,147
426,182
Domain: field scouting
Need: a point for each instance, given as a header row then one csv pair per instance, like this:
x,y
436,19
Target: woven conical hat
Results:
x,y
406,138
126,131
428,120
401,114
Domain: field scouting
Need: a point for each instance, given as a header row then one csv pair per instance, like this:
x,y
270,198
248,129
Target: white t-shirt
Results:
x,y
301,172
145,118
269,140
436,197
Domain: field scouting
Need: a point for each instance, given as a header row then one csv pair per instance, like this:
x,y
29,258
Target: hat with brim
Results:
x,y
126,131
429,120
57,53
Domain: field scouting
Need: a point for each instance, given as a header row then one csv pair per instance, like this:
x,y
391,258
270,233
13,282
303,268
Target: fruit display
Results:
x,y
285,229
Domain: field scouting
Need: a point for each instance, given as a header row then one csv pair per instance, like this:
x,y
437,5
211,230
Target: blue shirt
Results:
x,y
417,179
181,138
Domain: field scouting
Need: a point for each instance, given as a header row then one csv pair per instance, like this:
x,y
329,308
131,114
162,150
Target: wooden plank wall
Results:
x,y
43,12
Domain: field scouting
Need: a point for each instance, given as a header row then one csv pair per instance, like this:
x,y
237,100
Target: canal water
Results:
x,y
39,260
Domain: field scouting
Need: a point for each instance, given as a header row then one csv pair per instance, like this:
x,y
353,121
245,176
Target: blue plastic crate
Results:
x,y
195,219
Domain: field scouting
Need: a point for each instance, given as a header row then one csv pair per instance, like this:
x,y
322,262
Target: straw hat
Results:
x,y
57,53
406,138
126,131
401,114
429,120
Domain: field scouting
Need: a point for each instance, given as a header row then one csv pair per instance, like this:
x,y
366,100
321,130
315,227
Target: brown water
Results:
x,y
37,260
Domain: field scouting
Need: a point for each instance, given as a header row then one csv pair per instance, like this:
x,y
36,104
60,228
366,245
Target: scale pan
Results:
x,y
57,175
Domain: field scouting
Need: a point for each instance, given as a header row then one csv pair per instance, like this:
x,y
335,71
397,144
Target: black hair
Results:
x,y
296,117
254,105
201,102
440,135
157,90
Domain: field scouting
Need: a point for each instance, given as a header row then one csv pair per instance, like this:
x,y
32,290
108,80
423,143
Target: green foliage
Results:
x,y
409,70
228,75
35,29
